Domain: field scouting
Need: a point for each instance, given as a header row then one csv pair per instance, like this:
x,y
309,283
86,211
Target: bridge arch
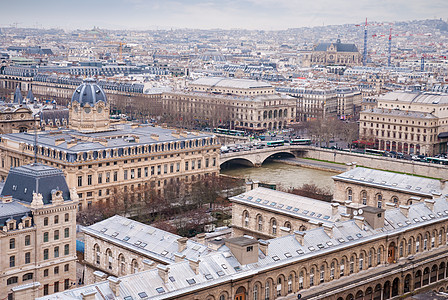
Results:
x,y
239,161
278,154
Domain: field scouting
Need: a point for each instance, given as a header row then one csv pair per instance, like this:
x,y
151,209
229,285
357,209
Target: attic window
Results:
x,y
329,243
171,278
164,253
350,238
196,248
191,281
143,245
250,198
258,200
224,266
312,213
311,248
416,220
24,191
142,295
326,217
126,238
288,207
220,273
359,235
265,201
128,298
275,258
103,230
160,290
114,234
424,218
273,203
237,268
208,277
320,246
137,243
341,240
280,205
300,251
432,216
296,209
305,212
288,255
14,187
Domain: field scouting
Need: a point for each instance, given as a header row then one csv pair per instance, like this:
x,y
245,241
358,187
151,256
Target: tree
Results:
x,y
312,191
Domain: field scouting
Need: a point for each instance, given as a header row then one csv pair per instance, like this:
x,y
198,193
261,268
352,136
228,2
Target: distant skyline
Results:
x,y
207,14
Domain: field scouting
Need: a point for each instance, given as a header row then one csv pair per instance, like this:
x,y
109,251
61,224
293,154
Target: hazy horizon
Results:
x,y
211,14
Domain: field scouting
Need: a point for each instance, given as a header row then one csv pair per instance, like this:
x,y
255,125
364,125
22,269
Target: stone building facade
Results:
x,y
363,253
407,122
38,236
325,54
384,189
101,160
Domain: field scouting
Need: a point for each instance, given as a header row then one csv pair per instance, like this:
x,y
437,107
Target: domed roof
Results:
x,y
89,92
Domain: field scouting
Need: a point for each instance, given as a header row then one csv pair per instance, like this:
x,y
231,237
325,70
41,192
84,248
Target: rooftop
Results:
x,y
231,83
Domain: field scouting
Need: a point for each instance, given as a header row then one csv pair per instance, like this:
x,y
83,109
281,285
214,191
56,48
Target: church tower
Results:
x,y
89,110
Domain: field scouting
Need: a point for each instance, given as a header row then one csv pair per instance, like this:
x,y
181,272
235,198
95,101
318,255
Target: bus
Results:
x,y
275,143
375,152
300,142
436,160
221,130
237,132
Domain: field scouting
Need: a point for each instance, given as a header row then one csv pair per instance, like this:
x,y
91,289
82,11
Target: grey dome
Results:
x,y
89,92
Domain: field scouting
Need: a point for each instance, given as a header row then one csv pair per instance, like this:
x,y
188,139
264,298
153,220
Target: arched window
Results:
x,y
246,218
301,280
322,273
417,245
395,201
290,284
122,261
332,271
364,197
312,277
267,291
400,251
342,268
96,250
352,264
425,242
361,262
274,227
378,258
12,280
433,240
27,276
134,265
370,257
279,286
410,247
379,200
109,258
260,223
255,294
349,194
440,238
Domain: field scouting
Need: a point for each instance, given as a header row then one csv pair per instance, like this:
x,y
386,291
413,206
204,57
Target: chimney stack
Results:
x,y
114,285
200,238
194,265
404,209
179,257
359,221
88,295
345,217
430,204
334,209
163,272
181,244
99,276
328,229
263,246
300,235
148,264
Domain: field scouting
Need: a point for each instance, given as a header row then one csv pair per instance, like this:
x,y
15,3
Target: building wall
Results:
x,y
54,273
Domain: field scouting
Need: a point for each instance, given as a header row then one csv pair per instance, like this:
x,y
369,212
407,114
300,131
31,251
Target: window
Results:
x,y
417,245
364,197
12,261
66,267
89,179
274,227
56,219
312,277
45,221
46,236
260,223
279,286
322,274
66,217
27,257
246,218
66,232
66,284
378,258
100,178
341,268
125,174
267,291
56,287
27,240
56,270
56,235
56,252
46,273
255,292
12,243
361,262
12,280
46,289
301,280
401,249
349,195
332,271
352,265
66,249
79,180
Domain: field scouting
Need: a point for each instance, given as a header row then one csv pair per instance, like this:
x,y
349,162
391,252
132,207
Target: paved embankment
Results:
x,y
314,164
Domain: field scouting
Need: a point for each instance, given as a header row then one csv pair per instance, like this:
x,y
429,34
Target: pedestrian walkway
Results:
x,y
315,164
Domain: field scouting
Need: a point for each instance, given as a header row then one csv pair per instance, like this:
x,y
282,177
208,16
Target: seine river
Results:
x,y
283,174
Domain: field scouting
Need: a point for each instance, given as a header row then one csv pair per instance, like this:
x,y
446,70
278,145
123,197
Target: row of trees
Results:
x,y
180,208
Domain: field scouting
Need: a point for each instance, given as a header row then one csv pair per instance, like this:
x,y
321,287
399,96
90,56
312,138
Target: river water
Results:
x,y
283,174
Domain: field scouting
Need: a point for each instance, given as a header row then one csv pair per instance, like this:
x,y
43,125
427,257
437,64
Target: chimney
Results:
x,y
88,295
345,217
179,257
328,229
200,238
359,221
163,272
194,265
347,203
114,285
334,209
299,235
263,246
256,184
148,264
442,184
390,205
430,204
354,165
348,166
404,209
248,185
181,244
99,276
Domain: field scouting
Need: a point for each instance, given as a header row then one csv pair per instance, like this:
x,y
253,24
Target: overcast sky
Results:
x,y
204,14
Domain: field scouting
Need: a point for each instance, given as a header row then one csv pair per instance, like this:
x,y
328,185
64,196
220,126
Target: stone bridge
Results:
x,y
256,157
